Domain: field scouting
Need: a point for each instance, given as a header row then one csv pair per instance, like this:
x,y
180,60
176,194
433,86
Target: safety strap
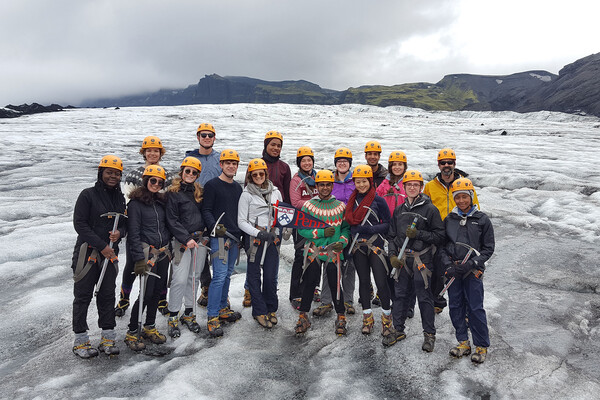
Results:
x,y
418,265
83,267
152,254
253,249
369,246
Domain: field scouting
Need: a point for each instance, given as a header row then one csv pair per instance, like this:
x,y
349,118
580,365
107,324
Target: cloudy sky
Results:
x,y
64,51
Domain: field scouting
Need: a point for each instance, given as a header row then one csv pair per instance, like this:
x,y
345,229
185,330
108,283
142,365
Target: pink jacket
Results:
x,y
393,195
300,192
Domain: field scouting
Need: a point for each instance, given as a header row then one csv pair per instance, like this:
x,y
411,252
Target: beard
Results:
x,y
447,171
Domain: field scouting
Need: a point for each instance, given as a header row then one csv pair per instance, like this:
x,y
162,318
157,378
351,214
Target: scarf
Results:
x,y
309,179
268,158
356,216
258,191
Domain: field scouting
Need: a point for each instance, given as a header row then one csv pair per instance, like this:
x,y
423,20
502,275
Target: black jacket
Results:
x,y
89,225
431,231
380,175
147,223
184,215
477,232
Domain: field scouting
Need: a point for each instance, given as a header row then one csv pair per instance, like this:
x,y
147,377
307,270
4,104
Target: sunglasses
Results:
x,y
156,181
207,135
191,171
446,162
257,174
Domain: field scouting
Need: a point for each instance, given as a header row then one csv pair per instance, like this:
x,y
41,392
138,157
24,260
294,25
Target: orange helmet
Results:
x,y
155,170
304,151
362,171
256,163
152,142
412,175
274,135
324,175
461,184
206,127
446,154
372,145
229,154
192,162
111,161
397,156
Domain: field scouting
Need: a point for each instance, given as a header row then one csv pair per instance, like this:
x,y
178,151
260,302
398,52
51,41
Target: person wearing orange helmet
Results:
x,y
97,242
372,156
255,218
149,246
208,156
279,171
470,243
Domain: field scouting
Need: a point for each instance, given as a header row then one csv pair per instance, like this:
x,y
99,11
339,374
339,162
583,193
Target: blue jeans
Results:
x,y
467,295
219,286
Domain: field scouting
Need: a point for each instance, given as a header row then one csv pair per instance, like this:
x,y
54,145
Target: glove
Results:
x,y
140,267
220,231
287,233
266,236
397,262
337,247
462,269
451,271
411,233
329,231
354,229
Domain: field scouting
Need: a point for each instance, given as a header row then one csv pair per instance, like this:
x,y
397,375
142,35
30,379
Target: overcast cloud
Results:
x,y
66,51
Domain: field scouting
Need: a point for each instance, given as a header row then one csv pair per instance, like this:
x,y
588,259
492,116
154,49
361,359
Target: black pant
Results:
x,y
424,296
152,294
364,264
312,277
205,277
129,279
437,280
83,291
295,284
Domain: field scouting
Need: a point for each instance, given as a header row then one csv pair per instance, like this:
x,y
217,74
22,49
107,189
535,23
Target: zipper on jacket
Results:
x,y
157,224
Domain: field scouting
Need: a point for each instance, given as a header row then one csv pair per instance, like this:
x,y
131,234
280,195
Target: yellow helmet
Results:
x,y
324,175
229,154
343,152
152,142
362,171
206,127
274,135
446,154
192,162
111,161
461,184
304,151
372,145
155,170
397,156
412,175
256,163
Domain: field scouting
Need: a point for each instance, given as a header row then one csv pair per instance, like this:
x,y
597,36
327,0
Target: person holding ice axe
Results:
x,y
415,228
255,218
470,243
99,221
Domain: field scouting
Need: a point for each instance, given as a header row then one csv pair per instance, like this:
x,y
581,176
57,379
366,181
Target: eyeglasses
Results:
x,y
257,174
412,184
450,162
156,181
191,171
205,135
343,161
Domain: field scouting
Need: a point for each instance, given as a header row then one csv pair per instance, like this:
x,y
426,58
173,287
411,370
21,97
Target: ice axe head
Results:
x,y
466,246
415,215
113,214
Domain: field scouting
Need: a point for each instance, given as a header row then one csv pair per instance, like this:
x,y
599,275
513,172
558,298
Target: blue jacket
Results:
x,y
211,167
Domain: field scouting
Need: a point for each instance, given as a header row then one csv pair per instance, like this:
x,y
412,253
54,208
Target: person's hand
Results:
x,y
329,231
337,247
451,271
114,236
397,262
354,229
140,267
287,233
221,230
108,253
266,236
462,269
411,233
191,244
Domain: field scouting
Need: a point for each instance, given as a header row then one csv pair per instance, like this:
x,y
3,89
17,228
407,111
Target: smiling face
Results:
x,y
446,167
155,184
229,168
258,176
152,155
398,168
206,139
372,157
306,164
274,147
324,189
413,189
463,202
342,165
362,185
189,174
111,177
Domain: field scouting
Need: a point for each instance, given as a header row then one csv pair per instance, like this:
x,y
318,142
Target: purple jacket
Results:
x,y
343,190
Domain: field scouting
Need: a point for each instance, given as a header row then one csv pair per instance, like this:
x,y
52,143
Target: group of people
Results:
x,y
380,224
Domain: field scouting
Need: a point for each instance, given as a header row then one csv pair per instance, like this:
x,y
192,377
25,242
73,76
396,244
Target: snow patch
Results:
x,y
499,81
543,78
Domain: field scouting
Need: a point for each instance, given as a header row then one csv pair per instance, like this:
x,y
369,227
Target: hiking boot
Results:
x,y
479,356
272,318
121,307
203,299
428,342
189,320
340,325
85,350
461,349
296,303
214,327
349,308
263,321
303,324
376,301
108,347
151,334
247,302
322,310
163,307
228,315
368,322
317,295
392,337
386,324
173,327
133,342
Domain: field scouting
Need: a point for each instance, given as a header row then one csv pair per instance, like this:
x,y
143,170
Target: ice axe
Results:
x,y
116,216
464,260
355,238
401,252
376,216
143,280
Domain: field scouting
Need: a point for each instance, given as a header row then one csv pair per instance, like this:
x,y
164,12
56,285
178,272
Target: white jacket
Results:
x,y
251,207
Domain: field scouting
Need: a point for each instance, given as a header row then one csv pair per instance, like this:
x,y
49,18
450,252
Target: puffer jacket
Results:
x,y
440,195
252,209
394,195
476,231
184,215
343,189
431,231
147,224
